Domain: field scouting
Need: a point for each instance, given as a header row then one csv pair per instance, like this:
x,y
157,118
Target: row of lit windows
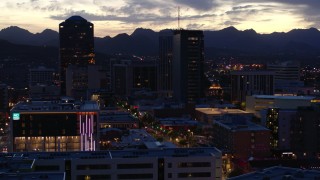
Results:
x,y
144,176
142,165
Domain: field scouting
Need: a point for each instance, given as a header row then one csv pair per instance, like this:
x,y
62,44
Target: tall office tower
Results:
x,y
76,45
187,71
165,63
247,83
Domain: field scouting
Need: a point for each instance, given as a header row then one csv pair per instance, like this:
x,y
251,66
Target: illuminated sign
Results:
x,y
16,116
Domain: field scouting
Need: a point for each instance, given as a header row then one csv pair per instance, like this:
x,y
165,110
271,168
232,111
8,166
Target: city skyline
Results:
x,y
114,17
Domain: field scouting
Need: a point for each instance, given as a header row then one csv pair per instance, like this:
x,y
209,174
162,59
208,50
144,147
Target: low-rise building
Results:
x,y
256,103
279,172
58,125
156,164
209,114
238,136
117,119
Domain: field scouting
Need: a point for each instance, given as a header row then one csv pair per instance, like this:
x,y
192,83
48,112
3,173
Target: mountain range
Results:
x,y
297,43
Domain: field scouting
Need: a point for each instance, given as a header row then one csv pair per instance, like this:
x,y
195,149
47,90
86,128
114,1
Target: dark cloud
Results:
x,y
249,10
230,23
137,6
108,9
126,19
312,6
310,11
133,17
243,12
195,26
197,16
242,7
198,4
145,4
265,20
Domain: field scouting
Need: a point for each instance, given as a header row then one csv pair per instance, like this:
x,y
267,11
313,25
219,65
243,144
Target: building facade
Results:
x,y
165,63
236,135
256,103
247,83
188,59
155,164
287,77
305,130
49,126
134,75
82,80
76,45
43,83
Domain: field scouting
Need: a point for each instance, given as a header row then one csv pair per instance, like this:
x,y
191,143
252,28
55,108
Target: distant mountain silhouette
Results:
x,y
228,41
140,42
17,35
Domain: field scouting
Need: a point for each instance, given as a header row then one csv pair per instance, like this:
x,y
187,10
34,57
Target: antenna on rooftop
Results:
x,y
178,17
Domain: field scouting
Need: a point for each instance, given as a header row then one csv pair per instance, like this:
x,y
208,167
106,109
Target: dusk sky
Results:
x,y
112,17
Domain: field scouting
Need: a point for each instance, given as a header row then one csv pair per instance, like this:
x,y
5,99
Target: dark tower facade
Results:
x,y
165,63
76,45
188,58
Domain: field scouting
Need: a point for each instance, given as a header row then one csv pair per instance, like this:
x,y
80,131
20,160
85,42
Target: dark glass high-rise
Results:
x,y
187,72
76,45
165,63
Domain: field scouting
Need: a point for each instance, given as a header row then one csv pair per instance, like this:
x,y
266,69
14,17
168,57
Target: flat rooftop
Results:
x,y
280,173
252,73
284,97
55,106
218,111
165,152
177,121
238,123
117,117
33,176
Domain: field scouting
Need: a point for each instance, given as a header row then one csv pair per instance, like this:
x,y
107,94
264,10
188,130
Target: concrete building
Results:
x,y
305,130
177,124
208,115
117,119
76,45
82,80
248,83
256,103
287,77
165,63
130,76
279,172
294,130
59,125
287,70
187,72
238,136
279,122
43,83
156,164
42,75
